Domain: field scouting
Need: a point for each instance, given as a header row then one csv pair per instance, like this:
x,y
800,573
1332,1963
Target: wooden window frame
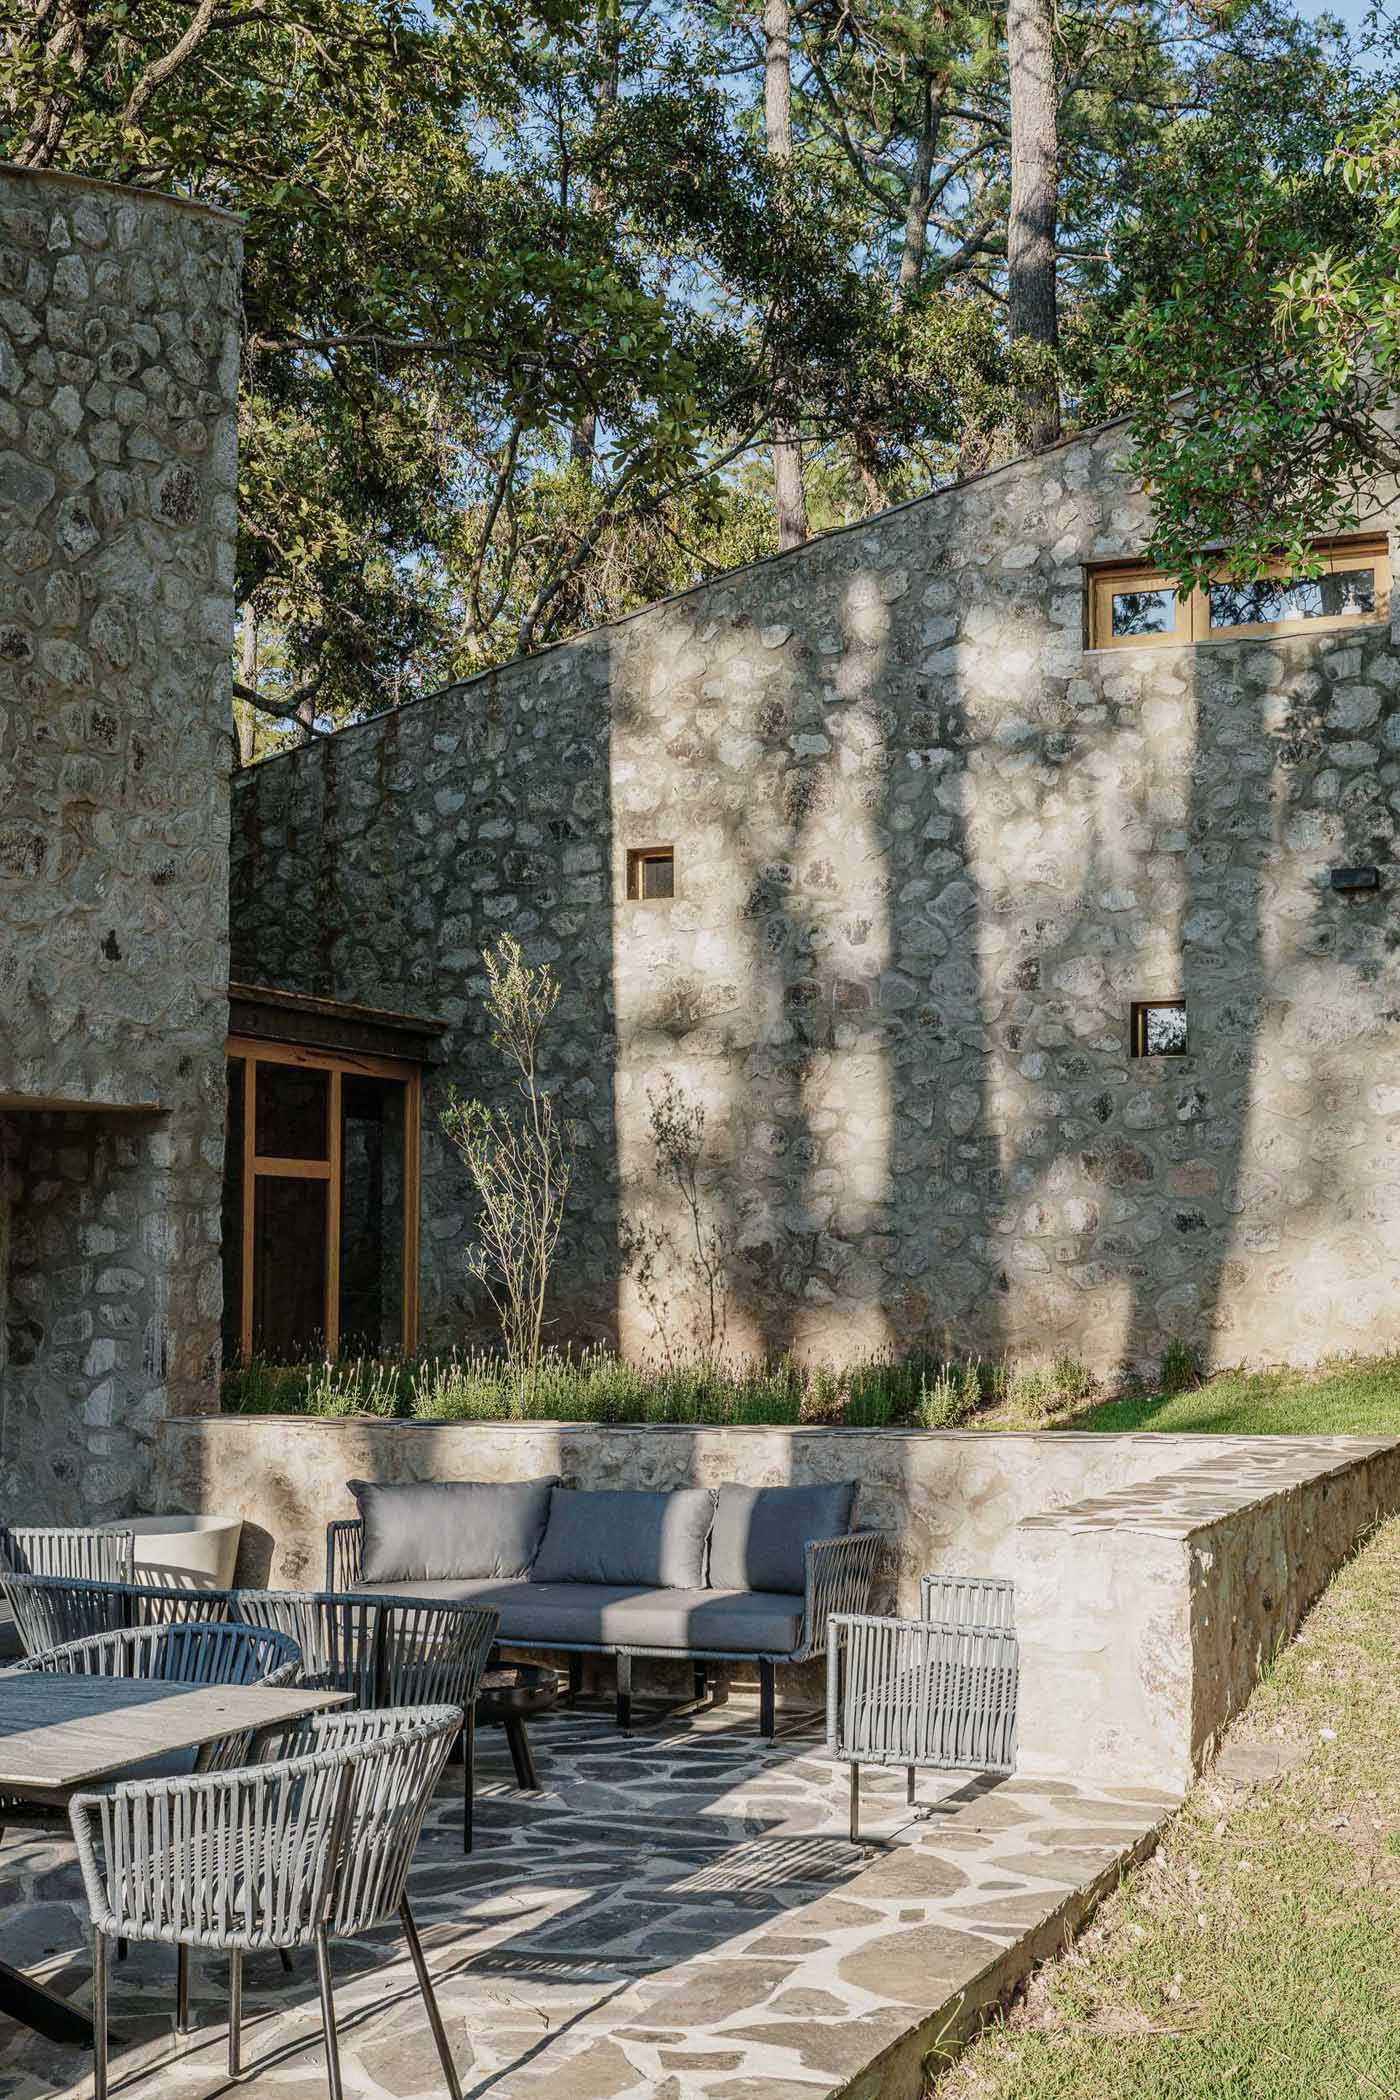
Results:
x,y
1193,607
252,1051
637,858
1141,1009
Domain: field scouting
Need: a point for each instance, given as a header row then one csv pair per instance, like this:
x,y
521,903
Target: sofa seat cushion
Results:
x,y
606,1615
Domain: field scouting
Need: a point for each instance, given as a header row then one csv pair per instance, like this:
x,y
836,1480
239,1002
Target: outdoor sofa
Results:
x,y
690,1574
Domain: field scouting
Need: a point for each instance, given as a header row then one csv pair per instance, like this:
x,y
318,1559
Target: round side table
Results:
x,y
510,1693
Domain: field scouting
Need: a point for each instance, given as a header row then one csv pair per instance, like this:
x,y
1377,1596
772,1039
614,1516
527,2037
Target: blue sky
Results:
x,y
1351,12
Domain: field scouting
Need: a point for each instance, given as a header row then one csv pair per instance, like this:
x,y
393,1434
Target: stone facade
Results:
x,y
929,848
118,375
1155,1575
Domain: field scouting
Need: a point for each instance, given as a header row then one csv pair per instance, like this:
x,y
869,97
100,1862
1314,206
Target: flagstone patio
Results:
x,y
678,1916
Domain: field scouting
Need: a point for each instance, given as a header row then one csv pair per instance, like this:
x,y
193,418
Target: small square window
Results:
x,y
1159,1028
651,873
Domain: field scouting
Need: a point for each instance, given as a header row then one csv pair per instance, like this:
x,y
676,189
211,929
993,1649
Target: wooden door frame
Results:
x,y
337,1064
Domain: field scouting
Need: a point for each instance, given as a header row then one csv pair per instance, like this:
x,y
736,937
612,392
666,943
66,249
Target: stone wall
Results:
x,y
929,849
118,375
1155,1575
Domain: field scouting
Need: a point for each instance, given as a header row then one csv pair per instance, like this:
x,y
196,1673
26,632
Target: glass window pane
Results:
x,y
292,1112
1144,612
658,875
371,1214
233,1213
1268,599
289,1268
1164,1031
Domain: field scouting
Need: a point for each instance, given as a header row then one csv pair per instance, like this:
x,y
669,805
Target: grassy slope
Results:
x,y
1255,1958
1358,1398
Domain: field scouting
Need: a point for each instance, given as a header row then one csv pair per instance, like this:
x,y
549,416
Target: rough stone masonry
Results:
x,y
929,848
118,374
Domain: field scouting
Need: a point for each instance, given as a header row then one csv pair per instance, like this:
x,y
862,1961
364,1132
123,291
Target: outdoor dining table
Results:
x,y
60,1734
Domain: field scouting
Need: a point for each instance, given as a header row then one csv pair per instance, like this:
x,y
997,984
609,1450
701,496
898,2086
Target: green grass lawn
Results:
x,y
1360,1397
1257,1955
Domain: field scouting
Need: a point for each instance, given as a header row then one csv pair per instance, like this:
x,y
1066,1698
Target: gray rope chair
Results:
x,y
283,1855
937,1693
386,1651
63,1549
50,1610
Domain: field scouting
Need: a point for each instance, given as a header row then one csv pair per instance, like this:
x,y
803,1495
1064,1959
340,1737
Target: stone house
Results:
x,y
1026,933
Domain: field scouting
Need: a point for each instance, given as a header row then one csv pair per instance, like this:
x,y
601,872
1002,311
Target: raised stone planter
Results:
x,y
1155,1574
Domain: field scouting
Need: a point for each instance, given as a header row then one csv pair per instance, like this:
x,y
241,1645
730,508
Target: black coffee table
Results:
x,y
510,1692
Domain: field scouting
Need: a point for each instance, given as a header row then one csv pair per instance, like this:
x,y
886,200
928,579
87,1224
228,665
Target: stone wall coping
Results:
x,y
1185,1504
1347,1449
129,190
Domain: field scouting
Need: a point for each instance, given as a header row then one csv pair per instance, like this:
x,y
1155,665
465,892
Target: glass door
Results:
x,y
320,1215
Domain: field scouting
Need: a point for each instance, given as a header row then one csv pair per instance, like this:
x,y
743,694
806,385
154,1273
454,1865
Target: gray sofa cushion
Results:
x,y
545,1614
626,1536
459,1530
760,1535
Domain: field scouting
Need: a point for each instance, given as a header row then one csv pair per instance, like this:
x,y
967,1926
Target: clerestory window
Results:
x,y
1133,606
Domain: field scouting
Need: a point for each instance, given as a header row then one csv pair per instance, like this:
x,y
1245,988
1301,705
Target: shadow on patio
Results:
x,y
677,1916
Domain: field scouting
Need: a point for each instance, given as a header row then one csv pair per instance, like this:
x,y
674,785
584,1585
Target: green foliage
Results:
x,y
519,1159
1258,349
595,1385
1180,1368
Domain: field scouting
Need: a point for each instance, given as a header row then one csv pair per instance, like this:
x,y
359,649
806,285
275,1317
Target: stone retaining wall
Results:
x,y
1155,1574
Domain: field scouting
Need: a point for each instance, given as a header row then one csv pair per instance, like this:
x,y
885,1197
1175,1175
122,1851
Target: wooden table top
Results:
x,y
58,1732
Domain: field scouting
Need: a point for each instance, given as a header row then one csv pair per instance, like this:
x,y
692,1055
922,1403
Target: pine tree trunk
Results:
x,y
1031,233
585,431
911,261
244,719
789,496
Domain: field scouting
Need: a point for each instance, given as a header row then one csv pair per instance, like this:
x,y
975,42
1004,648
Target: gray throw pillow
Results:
x,y
451,1530
626,1535
761,1535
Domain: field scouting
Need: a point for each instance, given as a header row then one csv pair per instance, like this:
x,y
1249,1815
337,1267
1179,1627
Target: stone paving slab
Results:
x,y
678,1916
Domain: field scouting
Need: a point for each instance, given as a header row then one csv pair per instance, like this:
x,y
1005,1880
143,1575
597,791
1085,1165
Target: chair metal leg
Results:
x,y
575,1678
182,1990
909,1788
624,1693
99,2015
855,1804
235,2013
468,1777
767,1724
323,1983
287,1969
700,1682
425,1985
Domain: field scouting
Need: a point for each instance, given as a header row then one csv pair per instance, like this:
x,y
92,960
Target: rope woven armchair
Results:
x,y
938,1692
281,1855
61,1549
386,1651
50,1610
